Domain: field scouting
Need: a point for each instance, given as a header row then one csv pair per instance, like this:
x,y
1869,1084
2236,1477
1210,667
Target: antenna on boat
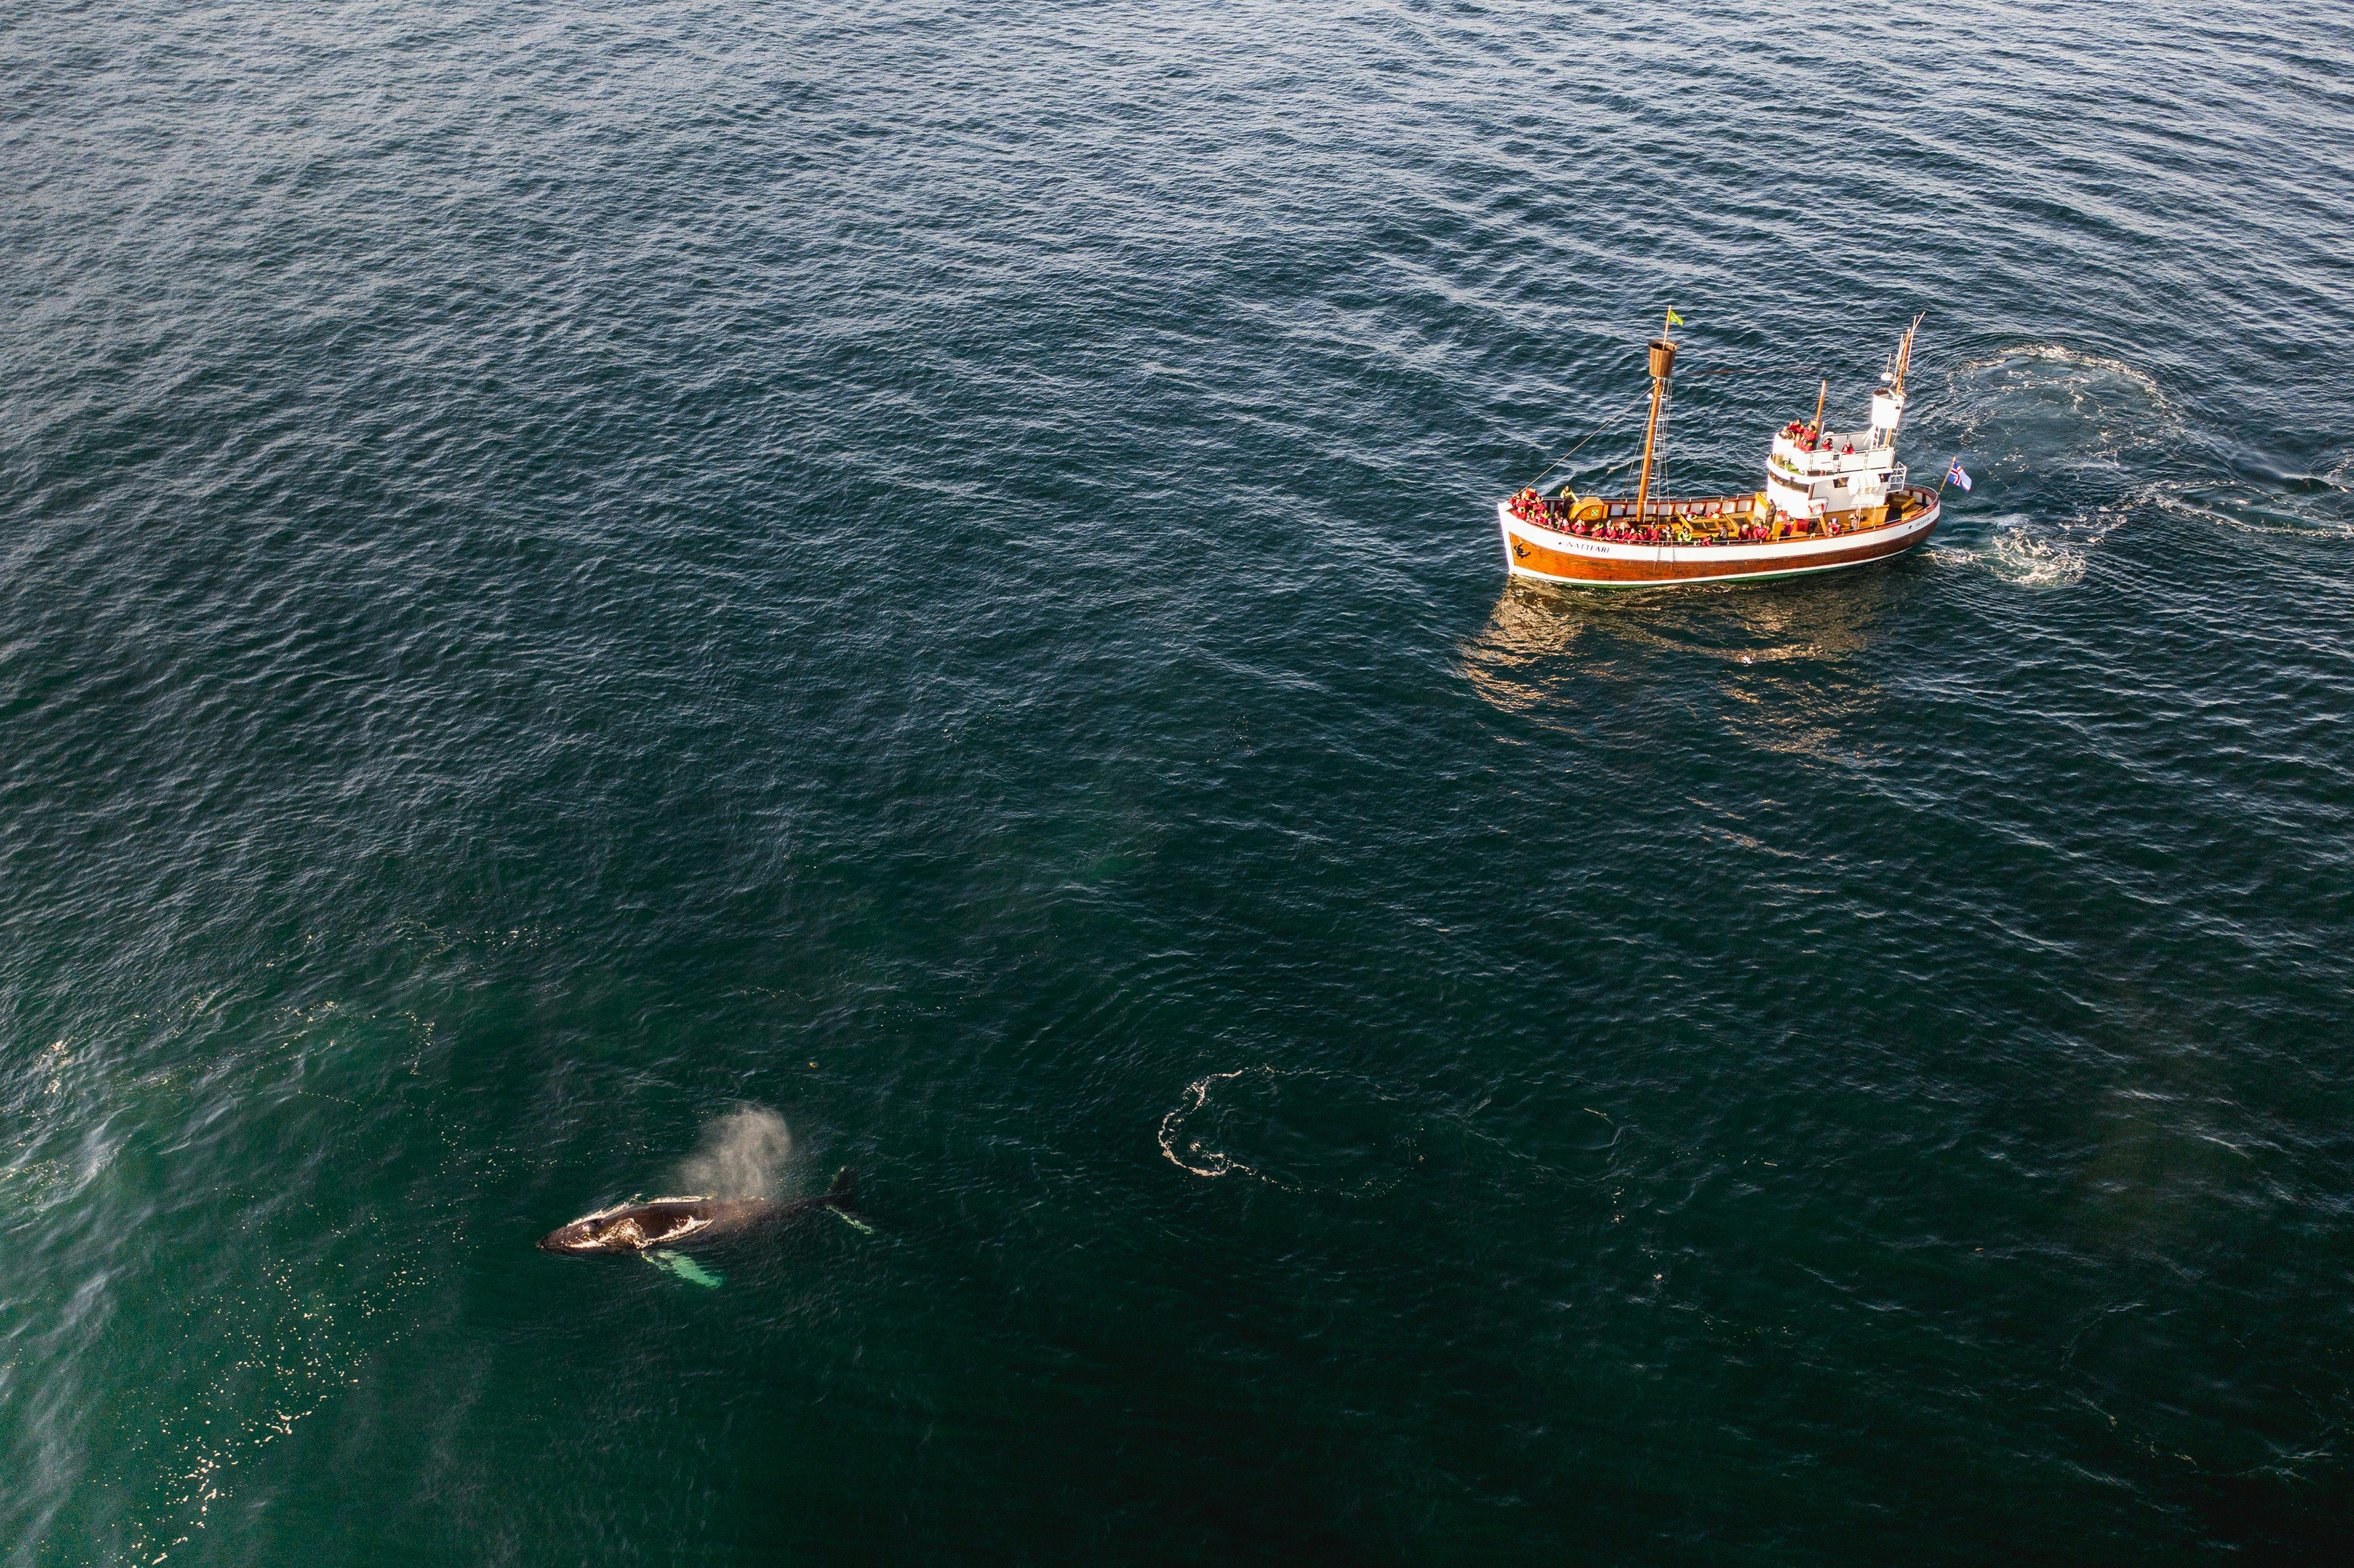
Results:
x,y
1904,356
1663,361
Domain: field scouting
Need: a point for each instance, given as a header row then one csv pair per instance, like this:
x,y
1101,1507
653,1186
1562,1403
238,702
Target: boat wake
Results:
x,y
2025,558
2028,560
2025,555
2038,421
2039,418
2320,507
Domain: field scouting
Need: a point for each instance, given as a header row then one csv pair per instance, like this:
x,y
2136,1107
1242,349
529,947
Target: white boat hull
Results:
x,y
1549,554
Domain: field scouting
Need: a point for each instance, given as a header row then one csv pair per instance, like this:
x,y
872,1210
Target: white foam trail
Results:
x,y
1172,1126
1189,1153
2076,358
2040,410
742,1155
2246,511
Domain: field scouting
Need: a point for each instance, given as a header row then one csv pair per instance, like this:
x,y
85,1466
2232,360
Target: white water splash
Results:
x,y
2034,561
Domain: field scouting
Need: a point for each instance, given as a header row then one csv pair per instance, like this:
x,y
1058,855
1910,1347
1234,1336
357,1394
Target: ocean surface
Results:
x,y
603,598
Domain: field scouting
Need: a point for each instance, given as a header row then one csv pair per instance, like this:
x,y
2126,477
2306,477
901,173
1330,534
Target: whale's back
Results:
x,y
675,1221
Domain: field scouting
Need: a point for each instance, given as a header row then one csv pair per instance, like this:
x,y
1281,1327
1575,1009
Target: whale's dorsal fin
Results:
x,y
842,1199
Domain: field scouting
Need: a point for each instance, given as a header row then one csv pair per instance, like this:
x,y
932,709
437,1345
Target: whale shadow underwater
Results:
x,y
656,1231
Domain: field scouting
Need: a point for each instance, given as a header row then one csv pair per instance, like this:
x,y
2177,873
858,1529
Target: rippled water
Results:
x,y
574,579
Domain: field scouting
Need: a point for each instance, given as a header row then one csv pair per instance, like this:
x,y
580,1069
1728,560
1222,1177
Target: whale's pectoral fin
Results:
x,y
685,1267
853,1222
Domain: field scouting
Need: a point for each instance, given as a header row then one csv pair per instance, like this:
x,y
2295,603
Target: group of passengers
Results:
x,y
1745,528
1559,513
1677,531
1531,507
1810,439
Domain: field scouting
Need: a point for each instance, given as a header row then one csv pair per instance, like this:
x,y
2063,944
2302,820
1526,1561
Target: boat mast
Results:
x,y
1820,396
1663,360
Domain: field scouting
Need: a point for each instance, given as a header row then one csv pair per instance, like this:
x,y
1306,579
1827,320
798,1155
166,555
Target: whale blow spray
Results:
x,y
743,1155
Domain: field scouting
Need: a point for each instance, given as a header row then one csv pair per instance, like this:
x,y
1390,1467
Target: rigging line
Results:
x,y
1761,370
1597,430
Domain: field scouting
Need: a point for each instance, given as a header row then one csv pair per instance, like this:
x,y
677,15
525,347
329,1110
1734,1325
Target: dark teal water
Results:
x,y
574,578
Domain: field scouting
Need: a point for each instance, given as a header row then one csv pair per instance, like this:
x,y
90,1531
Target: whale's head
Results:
x,y
596,1234
630,1228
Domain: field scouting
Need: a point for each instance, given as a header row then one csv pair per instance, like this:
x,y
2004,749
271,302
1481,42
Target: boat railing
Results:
x,y
1825,459
1711,517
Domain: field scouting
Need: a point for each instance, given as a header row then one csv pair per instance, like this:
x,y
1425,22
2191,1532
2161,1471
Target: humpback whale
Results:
x,y
688,1222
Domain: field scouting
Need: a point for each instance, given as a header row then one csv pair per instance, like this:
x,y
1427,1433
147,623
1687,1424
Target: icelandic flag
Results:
x,y
1956,476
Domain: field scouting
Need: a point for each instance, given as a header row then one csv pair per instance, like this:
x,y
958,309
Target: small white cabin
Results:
x,y
1812,476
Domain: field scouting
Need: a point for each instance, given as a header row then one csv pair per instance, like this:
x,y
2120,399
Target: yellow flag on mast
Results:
x,y
1673,319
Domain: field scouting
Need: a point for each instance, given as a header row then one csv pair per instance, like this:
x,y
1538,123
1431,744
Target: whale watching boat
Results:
x,y
1831,499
